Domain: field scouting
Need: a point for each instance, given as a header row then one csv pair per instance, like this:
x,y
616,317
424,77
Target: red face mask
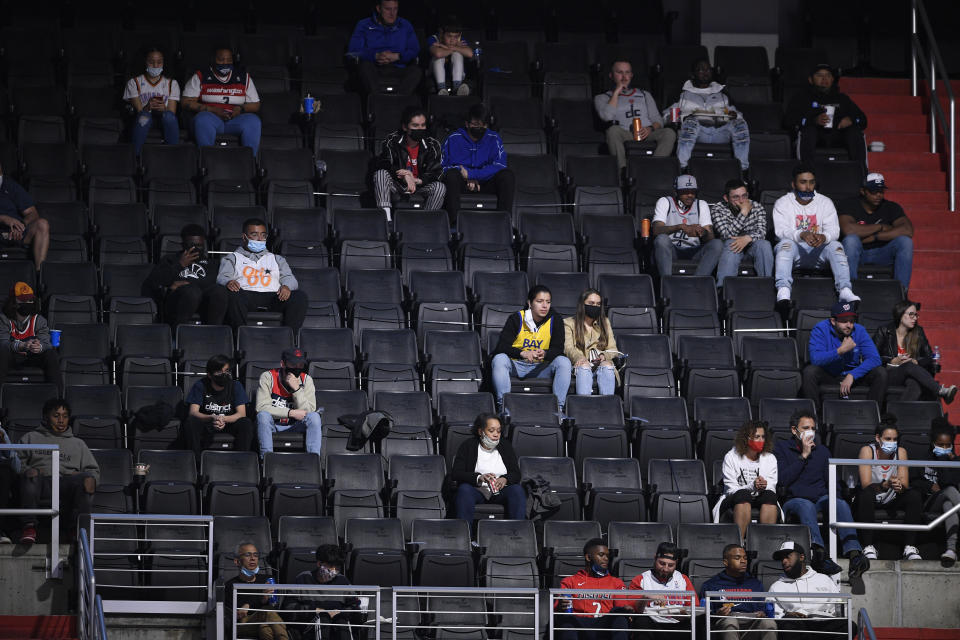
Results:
x,y
756,445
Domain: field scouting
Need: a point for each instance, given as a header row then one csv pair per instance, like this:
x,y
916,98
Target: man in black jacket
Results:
x,y
190,280
824,117
409,163
329,609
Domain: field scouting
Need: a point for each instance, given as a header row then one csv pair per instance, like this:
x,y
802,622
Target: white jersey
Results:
x,y
668,212
881,473
140,87
262,274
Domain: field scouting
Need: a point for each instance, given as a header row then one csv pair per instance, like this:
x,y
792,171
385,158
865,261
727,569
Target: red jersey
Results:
x,y
412,165
29,330
280,396
594,604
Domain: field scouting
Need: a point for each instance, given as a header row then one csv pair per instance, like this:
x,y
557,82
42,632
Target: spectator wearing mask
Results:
x,y
79,471
741,224
683,228
225,101
599,611
409,163
287,401
805,614
749,477
27,341
154,98
941,486
621,105
668,612
733,620
589,343
257,278
486,471
317,606
474,160
386,47
887,486
186,283
259,625
217,404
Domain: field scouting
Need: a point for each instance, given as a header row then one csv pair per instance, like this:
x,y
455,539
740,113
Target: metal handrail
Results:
x,y
685,600
865,626
833,525
504,593
56,570
933,67
769,598
91,624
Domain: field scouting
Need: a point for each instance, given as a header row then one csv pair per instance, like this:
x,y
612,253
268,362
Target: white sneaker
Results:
x,y
847,295
463,89
783,293
870,552
911,553
948,558
443,92
4,539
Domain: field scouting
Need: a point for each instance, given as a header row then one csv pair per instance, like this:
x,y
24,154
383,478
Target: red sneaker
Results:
x,y
29,535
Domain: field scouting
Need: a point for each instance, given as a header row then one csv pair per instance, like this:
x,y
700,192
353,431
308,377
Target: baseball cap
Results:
x,y
820,67
294,358
685,183
842,309
874,182
22,292
786,548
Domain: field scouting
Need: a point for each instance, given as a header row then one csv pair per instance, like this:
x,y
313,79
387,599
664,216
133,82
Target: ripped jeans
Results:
x,y
606,379
793,253
735,131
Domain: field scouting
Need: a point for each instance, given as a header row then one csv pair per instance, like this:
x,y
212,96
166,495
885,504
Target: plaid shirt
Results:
x,y
728,224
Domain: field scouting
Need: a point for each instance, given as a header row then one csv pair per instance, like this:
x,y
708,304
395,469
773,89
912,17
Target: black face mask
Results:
x,y
222,379
592,311
476,132
417,134
27,309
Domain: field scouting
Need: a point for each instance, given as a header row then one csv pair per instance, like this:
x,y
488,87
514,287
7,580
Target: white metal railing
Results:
x,y
931,64
680,605
55,567
143,581
410,614
832,501
367,607
90,622
772,598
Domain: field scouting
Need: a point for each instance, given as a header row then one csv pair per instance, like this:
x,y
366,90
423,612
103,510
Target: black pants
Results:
x,y
790,626
197,434
294,308
910,501
915,379
814,376
181,303
8,482
589,626
404,80
502,184
813,136
74,499
46,360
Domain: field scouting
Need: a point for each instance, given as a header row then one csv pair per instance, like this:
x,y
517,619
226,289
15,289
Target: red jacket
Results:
x,y
599,605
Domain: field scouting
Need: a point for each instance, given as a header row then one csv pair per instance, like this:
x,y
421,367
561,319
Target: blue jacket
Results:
x,y
798,477
482,159
371,36
824,342
724,582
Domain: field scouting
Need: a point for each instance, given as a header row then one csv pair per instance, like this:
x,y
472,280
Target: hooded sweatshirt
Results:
x,y
709,99
75,455
34,326
790,218
600,603
808,104
809,582
228,267
727,583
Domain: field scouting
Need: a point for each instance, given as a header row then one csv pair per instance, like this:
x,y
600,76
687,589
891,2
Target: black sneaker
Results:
x,y
859,564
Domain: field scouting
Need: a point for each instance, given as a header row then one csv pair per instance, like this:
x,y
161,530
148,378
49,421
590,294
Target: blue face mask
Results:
x,y
223,69
942,452
805,196
598,571
248,572
888,447
256,246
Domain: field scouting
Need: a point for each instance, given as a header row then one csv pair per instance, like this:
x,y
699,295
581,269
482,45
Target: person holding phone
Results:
x,y
154,98
590,345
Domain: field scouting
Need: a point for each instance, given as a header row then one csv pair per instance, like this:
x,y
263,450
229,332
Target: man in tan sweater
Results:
x,y
286,401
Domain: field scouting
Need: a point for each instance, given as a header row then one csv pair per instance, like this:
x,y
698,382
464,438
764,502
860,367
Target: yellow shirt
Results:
x,y
539,339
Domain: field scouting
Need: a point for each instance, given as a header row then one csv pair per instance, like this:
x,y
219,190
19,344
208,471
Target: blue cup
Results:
x,y
308,105
55,337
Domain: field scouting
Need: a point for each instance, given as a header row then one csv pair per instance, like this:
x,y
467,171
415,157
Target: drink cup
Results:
x,y
141,469
308,105
675,114
830,110
55,337
636,127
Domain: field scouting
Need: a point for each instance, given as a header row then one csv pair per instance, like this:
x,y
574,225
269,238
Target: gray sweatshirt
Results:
x,y
635,104
228,268
75,455
41,332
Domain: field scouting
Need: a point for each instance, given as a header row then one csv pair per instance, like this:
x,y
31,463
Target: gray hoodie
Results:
x,y
75,455
228,268
40,330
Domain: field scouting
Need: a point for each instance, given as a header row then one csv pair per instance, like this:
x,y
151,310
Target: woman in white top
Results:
x,y
154,98
749,477
887,486
486,470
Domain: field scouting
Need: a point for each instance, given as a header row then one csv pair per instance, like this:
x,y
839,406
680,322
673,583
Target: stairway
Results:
x,y
38,627
902,633
917,180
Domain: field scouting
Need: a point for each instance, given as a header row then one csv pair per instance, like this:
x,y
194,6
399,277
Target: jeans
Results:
x,y
942,502
792,253
706,255
167,121
439,68
735,131
915,380
512,495
898,252
558,368
806,512
267,426
729,261
606,380
207,126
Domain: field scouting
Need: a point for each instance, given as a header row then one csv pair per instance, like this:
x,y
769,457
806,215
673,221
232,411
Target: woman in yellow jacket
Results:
x,y
589,344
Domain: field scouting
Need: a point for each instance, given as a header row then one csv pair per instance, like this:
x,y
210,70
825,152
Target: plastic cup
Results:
x,y
55,337
308,105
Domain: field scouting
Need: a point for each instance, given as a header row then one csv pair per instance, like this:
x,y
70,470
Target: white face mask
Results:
x,y
153,72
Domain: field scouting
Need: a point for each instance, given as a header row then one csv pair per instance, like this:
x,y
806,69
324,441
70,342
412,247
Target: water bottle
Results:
x,y
476,52
321,169
936,357
273,599
771,612
569,607
308,104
